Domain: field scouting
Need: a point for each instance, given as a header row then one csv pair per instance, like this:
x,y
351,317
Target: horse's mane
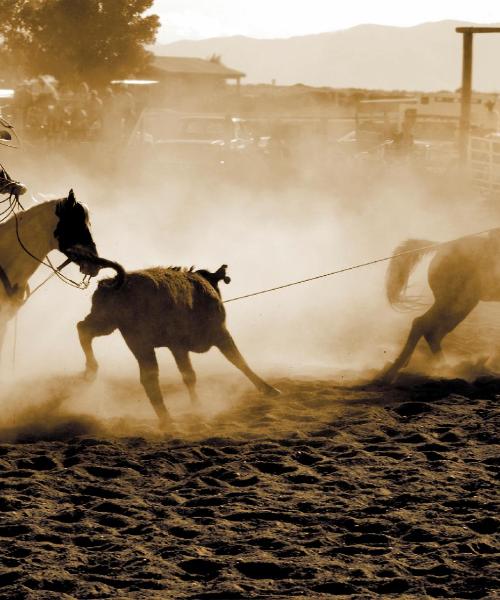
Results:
x,y
36,205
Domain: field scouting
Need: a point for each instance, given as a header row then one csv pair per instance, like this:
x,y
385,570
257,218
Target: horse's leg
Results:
x,y
434,333
186,368
149,375
434,325
88,329
447,319
420,326
226,345
455,299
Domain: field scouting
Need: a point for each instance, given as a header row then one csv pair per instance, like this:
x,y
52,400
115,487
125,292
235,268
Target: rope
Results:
x,y
12,188
354,267
59,268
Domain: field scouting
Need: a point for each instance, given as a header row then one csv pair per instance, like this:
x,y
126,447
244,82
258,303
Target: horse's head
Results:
x,y
73,234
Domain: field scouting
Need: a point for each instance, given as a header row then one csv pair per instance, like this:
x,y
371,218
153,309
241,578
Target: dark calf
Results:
x,y
164,307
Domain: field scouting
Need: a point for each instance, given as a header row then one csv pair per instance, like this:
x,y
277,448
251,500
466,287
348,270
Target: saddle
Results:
x,y
10,187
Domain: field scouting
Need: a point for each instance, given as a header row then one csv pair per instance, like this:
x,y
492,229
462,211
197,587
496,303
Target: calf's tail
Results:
x,y
118,280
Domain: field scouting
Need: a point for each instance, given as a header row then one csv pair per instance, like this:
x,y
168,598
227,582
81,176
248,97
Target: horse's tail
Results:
x,y
404,259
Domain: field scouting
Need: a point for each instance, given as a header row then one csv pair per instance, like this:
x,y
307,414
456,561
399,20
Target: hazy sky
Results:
x,y
183,19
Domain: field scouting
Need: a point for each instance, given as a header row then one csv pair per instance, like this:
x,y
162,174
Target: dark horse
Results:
x,y
26,239
463,272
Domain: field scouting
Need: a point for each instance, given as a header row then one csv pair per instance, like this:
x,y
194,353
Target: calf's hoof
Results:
x,y
166,424
270,391
169,431
89,374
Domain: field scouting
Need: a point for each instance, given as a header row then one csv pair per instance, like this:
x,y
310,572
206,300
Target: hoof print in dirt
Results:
x,y
200,567
412,409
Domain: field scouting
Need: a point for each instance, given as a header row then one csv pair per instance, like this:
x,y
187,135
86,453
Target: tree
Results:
x,y
78,40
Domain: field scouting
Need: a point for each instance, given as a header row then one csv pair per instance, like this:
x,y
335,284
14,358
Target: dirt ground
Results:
x,y
329,490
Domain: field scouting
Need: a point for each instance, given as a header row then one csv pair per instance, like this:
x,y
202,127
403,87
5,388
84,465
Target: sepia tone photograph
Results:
x,y
249,299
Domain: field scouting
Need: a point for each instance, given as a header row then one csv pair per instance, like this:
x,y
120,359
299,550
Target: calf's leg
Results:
x,y
188,375
149,374
226,345
88,329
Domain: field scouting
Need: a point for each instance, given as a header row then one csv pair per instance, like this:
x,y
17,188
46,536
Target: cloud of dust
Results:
x,y
269,235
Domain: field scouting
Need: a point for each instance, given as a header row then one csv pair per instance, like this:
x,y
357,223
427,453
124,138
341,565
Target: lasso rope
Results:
x,y
354,267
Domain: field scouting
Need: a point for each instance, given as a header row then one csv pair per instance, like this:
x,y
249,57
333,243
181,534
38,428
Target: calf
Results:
x,y
163,307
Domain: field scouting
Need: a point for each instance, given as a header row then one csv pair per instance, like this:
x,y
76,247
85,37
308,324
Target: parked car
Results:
x,y
201,142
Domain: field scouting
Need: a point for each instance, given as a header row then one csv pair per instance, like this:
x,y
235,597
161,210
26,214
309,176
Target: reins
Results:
x,y
7,187
13,204
354,267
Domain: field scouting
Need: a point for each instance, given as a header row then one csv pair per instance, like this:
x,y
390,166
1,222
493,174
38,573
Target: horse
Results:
x,y
28,236
163,307
462,273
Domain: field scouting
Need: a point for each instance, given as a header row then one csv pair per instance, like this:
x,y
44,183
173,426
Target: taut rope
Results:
x,y
354,267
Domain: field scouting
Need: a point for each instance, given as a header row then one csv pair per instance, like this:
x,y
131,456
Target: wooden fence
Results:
x,y
484,164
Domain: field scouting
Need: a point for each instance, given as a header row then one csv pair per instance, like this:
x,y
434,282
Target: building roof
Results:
x,y
180,65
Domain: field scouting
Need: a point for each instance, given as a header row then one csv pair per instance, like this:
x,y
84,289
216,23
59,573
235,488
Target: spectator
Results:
x,y
126,109
23,99
95,110
112,119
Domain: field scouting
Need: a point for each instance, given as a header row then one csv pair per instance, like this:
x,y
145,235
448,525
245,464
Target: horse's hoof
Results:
x,y
387,376
384,379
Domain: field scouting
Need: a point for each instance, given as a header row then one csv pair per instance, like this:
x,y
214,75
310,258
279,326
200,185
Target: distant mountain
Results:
x,y
425,57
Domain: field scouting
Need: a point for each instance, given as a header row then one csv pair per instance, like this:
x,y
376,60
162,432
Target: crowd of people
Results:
x,y
44,110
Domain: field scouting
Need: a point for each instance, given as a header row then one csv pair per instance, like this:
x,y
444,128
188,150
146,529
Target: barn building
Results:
x,y
184,78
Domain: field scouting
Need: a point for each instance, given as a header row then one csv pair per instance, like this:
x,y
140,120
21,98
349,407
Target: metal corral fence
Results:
x,y
484,162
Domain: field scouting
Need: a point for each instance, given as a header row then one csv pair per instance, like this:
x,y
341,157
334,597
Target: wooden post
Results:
x,y
465,111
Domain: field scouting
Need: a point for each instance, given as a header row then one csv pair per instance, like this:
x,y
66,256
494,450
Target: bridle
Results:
x,y
12,290
81,285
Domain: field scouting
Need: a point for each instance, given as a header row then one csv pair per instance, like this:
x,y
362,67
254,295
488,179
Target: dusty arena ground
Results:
x,y
348,491
337,488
